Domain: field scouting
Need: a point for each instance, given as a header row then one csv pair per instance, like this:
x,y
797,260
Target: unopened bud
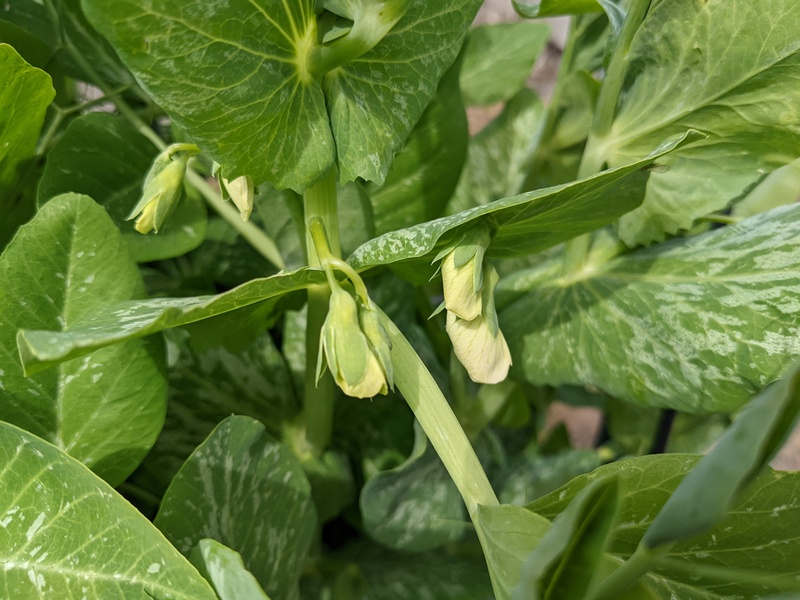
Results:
x,y
160,194
462,273
378,339
351,359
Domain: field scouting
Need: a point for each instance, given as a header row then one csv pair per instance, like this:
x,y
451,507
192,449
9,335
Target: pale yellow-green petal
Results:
x,y
460,295
485,356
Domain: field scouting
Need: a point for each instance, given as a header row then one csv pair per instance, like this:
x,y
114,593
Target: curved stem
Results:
x,y
439,422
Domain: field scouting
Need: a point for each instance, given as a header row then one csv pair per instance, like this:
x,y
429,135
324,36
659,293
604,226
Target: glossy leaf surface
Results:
x,y
107,408
698,324
65,533
247,491
729,68
224,569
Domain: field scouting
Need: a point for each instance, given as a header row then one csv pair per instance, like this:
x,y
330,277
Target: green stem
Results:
x,y
594,155
255,236
52,129
320,204
633,569
439,423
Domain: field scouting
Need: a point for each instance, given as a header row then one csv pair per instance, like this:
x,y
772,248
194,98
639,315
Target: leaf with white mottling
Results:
x,y
107,408
64,533
527,223
761,531
247,491
41,349
698,324
729,68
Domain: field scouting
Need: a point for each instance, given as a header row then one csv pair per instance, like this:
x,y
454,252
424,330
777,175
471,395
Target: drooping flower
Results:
x,y
358,369
160,193
478,343
241,191
462,273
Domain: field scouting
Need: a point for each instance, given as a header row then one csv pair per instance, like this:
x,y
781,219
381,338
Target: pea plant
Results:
x,y
273,324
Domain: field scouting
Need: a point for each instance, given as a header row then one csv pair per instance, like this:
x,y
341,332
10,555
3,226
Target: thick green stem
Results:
x,y
255,236
594,155
320,205
439,423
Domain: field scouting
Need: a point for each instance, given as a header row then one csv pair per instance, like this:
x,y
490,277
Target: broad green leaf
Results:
x,y
105,157
564,564
241,86
107,408
780,187
426,170
66,534
499,155
24,98
208,386
526,223
498,61
508,535
376,100
759,534
533,9
705,496
247,491
43,349
697,324
415,506
684,71
225,571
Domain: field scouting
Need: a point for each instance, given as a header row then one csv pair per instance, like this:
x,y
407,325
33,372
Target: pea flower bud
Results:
x,y
351,358
478,343
160,194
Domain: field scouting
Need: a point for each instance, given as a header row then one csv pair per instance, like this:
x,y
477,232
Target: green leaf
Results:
x,y
683,71
760,531
107,408
526,223
499,155
698,324
705,496
247,491
105,157
376,100
41,349
508,535
24,98
425,172
534,9
66,532
415,506
208,386
241,87
224,570
498,61
564,564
